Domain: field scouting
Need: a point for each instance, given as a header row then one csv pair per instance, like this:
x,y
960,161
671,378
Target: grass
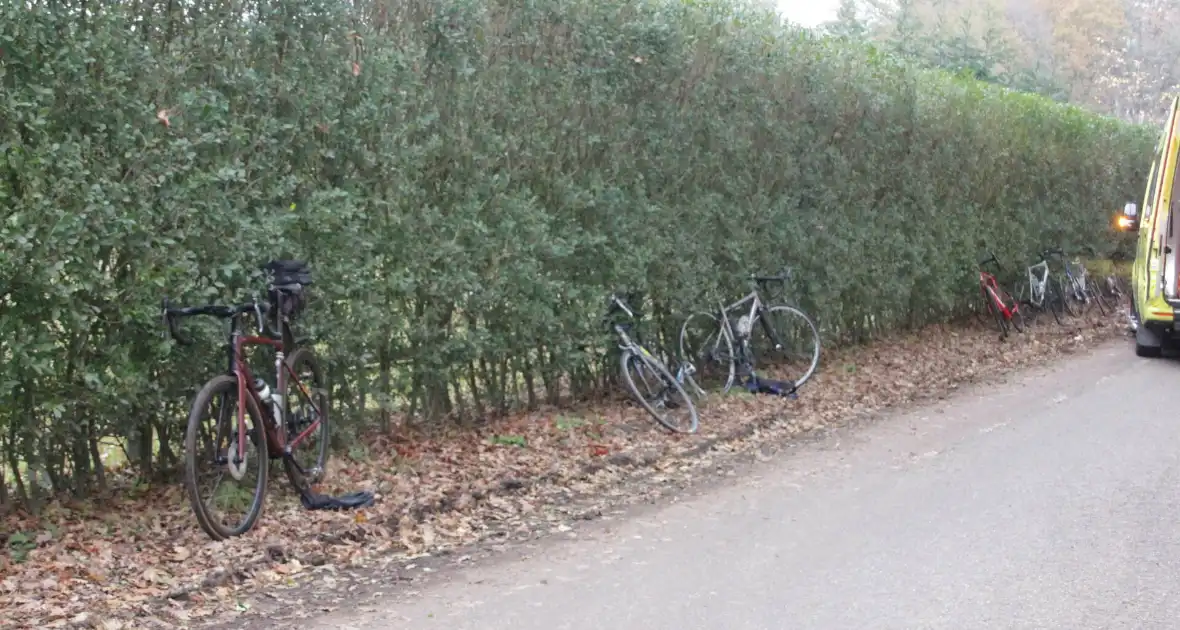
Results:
x,y
1102,268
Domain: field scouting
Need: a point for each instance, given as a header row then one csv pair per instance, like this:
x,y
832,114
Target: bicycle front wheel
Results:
x,y
1071,297
1095,293
789,340
659,392
226,487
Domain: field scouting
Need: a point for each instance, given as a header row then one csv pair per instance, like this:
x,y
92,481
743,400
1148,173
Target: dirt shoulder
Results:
x,y
450,501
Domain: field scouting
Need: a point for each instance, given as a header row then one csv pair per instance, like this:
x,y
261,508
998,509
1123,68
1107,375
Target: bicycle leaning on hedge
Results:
x,y
252,424
708,340
665,393
1076,283
1044,294
998,301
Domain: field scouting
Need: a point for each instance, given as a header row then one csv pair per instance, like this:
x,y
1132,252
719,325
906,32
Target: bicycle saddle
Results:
x,y
286,273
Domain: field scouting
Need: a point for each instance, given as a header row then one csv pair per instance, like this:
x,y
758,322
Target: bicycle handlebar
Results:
x,y
170,315
1057,251
782,277
617,303
991,258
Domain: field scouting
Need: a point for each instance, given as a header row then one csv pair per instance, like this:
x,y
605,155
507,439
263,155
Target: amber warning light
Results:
x,y
1128,221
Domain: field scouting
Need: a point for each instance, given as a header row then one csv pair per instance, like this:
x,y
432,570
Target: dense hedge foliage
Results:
x,y
468,178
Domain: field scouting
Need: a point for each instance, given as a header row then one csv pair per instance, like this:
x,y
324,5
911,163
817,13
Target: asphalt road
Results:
x,y
1051,501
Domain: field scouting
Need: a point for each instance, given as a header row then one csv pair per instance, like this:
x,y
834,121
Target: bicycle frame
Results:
x,y
755,302
1037,285
276,438
757,308
627,344
989,285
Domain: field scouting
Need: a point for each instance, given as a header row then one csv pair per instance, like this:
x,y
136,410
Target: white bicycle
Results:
x,y
1042,293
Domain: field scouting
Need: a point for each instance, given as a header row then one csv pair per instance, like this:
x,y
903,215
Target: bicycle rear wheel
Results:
x,y
704,344
659,392
791,338
217,448
309,458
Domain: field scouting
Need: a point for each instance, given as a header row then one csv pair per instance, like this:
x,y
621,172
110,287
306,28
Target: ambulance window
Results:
x,y
1151,189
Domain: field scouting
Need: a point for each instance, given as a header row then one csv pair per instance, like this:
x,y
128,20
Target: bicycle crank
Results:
x,y
312,475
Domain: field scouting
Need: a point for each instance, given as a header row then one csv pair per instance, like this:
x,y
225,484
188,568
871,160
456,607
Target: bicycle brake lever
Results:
x,y
258,315
615,298
170,324
166,328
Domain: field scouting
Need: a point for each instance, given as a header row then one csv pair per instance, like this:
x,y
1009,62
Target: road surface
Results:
x,y
1051,501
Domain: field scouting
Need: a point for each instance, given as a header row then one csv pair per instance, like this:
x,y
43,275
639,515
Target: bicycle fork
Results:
x,y
684,372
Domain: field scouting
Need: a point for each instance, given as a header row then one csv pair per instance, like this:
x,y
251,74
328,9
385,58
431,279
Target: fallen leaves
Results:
x,y
180,554
128,562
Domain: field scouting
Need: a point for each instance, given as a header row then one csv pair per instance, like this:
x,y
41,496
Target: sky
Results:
x,y
808,12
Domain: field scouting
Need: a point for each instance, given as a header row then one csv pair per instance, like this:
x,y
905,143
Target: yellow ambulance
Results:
x,y
1155,294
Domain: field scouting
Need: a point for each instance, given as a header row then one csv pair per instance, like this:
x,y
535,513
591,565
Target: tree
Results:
x,y
847,24
1114,56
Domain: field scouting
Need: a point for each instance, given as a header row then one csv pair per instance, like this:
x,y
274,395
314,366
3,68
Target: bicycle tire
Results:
x,y
294,474
814,361
1069,307
1074,292
729,365
996,313
1054,300
989,304
668,381
220,385
1095,293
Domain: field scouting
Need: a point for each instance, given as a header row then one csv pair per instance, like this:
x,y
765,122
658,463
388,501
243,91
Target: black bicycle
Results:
x,y
237,423
1077,285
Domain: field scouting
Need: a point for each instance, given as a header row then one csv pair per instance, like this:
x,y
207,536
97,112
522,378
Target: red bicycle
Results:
x,y
998,301
273,429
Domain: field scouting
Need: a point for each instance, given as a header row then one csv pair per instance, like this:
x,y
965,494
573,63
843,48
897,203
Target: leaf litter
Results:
x,y
143,562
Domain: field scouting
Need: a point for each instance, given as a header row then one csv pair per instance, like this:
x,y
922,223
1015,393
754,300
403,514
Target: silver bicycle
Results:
x,y
1042,292
648,378
723,349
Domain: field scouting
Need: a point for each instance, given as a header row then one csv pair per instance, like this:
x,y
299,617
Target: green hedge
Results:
x,y
468,179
